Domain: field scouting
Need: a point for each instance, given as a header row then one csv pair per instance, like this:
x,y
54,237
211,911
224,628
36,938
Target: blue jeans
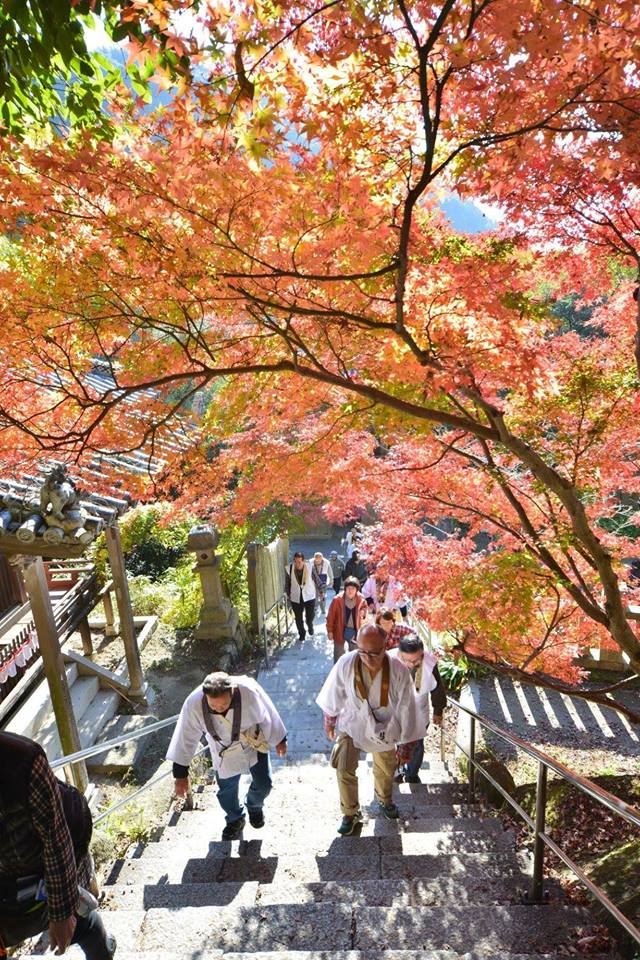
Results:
x,y
411,768
259,789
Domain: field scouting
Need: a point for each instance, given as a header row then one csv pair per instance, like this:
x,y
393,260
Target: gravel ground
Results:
x,y
590,739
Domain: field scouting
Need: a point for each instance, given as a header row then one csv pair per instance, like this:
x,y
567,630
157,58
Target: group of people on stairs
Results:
x,y
377,698
307,582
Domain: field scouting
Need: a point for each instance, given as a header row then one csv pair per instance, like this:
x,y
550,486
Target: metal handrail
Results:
x,y
281,601
116,742
142,789
630,813
541,839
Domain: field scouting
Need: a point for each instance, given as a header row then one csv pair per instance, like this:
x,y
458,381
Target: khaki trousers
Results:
x,y
384,765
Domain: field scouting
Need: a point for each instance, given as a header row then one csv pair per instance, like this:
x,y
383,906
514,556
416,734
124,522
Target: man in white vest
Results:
x,y
241,725
369,705
301,593
427,685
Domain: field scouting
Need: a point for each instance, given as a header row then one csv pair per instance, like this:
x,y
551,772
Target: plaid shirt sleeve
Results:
x,y
398,631
57,849
329,724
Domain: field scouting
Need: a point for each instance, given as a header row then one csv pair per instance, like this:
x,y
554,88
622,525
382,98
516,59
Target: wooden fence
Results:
x,y
266,570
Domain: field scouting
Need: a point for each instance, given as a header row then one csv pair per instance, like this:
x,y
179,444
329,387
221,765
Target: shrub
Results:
x,y
455,673
152,540
176,597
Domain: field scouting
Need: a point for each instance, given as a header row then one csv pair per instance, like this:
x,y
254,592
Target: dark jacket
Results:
x,y
45,828
356,568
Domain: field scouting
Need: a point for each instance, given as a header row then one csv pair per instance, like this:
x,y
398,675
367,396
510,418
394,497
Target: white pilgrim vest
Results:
x,y
391,725
427,684
297,593
257,708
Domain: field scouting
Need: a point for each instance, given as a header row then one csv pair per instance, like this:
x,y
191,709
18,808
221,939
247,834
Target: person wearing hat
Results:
x,y
347,613
337,570
241,725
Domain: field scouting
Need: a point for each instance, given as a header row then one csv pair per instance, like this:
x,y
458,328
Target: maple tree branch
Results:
x,y
415,192
617,621
294,29
550,626
495,138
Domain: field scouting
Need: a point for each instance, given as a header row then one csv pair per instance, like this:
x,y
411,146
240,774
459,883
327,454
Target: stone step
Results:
x,y
410,807
74,953
37,709
449,792
104,706
172,896
183,868
430,763
82,692
377,955
372,893
331,926
299,772
272,844
199,824
496,930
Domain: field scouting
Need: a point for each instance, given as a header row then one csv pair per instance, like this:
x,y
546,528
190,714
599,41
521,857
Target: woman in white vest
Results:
x,y
428,690
300,588
369,704
241,725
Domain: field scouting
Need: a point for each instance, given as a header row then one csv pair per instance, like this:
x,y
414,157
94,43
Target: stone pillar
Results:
x,y
219,620
53,663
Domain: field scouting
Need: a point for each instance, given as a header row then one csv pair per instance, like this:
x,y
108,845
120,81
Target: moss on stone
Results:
x,y
618,874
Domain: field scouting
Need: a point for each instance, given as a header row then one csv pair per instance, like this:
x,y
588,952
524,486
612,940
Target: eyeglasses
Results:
x,y
371,653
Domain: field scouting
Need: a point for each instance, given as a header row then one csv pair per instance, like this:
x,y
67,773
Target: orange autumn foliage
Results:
x,y
271,248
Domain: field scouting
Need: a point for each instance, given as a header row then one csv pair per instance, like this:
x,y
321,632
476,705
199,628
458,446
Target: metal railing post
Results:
x,y
536,891
265,631
278,619
472,757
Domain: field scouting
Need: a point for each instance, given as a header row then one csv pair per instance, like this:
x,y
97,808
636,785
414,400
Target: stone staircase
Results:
x,y
444,882
93,707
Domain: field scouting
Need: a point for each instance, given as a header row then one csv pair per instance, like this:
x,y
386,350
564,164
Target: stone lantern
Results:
x,y
219,620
